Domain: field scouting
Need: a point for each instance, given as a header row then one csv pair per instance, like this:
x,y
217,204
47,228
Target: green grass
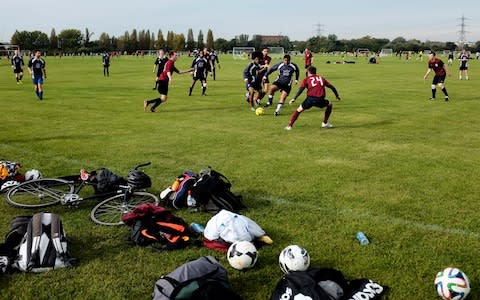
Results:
x,y
399,167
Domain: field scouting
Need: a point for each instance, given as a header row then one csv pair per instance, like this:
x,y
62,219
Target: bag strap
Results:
x,y
56,234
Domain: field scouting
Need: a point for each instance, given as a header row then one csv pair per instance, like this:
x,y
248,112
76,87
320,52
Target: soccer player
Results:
x,y
450,58
36,68
164,80
264,65
215,61
464,64
158,65
435,64
252,81
199,66
308,57
106,63
17,65
315,85
286,70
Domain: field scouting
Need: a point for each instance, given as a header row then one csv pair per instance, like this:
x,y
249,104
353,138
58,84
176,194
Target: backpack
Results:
x,y
107,181
201,279
210,189
155,226
43,246
9,249
325,284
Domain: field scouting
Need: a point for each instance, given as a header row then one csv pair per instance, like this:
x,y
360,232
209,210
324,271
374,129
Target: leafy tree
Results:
x,y
242,40
71,39
54,40
190,40
161,44
179,42
200,43
170,38
210,44
104,42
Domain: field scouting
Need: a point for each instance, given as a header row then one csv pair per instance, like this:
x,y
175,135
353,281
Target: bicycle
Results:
x,y
46,192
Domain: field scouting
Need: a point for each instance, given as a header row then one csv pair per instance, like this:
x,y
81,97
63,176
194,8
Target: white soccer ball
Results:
x,y
242,255
294,258
32,175
452,284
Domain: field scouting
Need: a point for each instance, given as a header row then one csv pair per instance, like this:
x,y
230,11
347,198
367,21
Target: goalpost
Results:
x,y
386,52
242,52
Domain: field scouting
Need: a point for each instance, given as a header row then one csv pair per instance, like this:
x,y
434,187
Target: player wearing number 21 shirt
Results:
x,y
315,85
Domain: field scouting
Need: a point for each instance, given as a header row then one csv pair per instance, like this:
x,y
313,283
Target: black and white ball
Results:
x,y
294,258
242,255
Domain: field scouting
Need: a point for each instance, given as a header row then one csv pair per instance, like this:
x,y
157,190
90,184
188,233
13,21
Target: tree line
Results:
x,y
76,41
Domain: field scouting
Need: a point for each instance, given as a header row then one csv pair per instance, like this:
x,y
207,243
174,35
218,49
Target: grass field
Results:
x,y
402,169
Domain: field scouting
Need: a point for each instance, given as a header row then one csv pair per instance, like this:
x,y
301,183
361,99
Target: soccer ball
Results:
x,y
242,255
294,258
32,175
260,111
452,284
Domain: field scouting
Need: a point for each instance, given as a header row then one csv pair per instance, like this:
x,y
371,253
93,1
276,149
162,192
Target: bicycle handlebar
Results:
x,y
142,165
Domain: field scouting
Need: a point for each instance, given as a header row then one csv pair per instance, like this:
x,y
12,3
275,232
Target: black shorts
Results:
x,y
162,87
438,79
283,87
314,101
256,85
463,66
201,77
17,70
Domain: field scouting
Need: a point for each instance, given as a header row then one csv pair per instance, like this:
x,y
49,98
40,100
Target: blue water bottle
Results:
x,y
362,238
197,228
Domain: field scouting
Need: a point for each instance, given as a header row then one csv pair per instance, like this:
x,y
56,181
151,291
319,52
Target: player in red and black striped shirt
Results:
x,y
438,67
315,85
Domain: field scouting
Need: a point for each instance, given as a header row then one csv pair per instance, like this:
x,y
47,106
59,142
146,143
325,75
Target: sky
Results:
x,y
422,20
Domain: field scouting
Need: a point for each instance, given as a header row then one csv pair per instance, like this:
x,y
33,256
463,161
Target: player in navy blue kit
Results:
x,y
252,81
36,67
286,70
106,63
158,65
215,61
199,68
17,65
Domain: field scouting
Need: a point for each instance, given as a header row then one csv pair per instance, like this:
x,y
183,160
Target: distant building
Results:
x,y
272,39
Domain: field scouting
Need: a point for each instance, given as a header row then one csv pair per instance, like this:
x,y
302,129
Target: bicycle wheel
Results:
x,y
111,210
39,193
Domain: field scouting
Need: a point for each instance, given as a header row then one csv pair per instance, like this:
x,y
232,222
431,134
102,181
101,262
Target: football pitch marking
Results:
x,y
356,214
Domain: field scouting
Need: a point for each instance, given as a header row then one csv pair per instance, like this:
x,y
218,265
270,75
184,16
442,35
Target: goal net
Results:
x,y
276,52
242,52
386,52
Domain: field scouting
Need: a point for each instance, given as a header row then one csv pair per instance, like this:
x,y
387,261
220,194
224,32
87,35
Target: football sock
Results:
x,y
17,79
434,92
204,89
270,99
21,77
190,91
40,95
279,107
293,118
444,90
